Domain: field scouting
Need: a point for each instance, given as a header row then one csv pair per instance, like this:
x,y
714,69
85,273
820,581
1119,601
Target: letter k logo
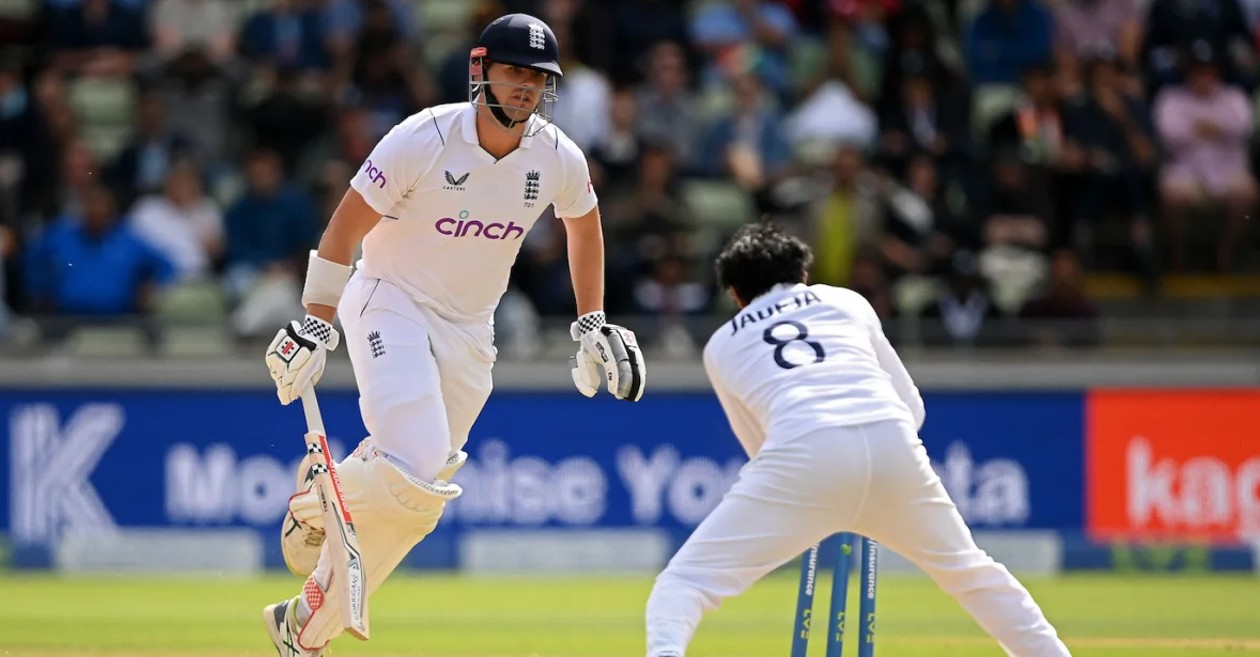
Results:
x,y
50,468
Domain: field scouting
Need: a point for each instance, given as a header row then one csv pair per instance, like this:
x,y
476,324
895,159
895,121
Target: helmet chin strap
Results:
x,y
496,109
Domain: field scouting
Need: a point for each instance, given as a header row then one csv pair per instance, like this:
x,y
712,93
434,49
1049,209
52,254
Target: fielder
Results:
x,y
441,207
829,418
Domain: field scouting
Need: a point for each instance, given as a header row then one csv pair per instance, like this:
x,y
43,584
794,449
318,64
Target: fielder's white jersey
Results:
x,y
804,357
452,217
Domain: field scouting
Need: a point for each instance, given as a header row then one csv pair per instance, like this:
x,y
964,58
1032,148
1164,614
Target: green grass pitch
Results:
x,y
573,616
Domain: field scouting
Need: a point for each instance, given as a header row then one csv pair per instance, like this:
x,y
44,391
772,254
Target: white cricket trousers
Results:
x,y
872,479
422,379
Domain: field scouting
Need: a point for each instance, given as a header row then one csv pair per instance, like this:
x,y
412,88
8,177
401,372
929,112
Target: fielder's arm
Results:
x,y
901,381
888,359
350,222
586,260
743,424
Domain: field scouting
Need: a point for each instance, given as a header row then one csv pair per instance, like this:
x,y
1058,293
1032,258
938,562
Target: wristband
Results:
x,y
314,327
325,281
591,321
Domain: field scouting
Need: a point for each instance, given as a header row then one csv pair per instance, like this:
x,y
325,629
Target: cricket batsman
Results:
x,y
829,418
441,207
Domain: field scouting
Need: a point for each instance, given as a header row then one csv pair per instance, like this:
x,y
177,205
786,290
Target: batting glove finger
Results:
x,y
586,374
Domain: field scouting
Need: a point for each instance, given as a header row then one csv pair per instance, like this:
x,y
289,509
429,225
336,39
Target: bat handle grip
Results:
x,y
314,421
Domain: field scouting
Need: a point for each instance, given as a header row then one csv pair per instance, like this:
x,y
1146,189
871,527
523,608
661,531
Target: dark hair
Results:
x,y
760,256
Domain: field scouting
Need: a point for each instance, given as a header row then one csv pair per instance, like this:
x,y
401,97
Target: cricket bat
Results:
x,y
342,542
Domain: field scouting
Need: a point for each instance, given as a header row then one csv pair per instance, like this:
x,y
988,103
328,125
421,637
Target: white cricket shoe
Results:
x,y
283,628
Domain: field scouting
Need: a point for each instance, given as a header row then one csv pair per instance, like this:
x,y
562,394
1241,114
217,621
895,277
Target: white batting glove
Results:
x,y
297,355
608,353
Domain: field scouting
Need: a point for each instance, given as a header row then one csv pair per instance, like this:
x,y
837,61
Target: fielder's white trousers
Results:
x,y
422,379
873,480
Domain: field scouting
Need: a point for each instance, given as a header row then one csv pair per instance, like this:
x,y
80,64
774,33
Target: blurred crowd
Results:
x,y
960,161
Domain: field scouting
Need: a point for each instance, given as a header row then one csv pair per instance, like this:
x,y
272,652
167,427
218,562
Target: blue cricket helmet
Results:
x,y
516,40
521,40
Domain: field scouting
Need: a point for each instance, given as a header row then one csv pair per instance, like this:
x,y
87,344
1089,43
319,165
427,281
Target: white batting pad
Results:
x,y
393,511
302,534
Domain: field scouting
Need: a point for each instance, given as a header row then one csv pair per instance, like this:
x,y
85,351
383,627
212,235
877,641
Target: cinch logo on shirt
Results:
x,y
375,174
471,227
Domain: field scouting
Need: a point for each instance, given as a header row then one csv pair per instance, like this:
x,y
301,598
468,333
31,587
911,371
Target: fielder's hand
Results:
x,y
609,353
297,356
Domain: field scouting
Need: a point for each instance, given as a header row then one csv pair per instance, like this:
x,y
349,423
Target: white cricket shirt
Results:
x,y
805,357
452,217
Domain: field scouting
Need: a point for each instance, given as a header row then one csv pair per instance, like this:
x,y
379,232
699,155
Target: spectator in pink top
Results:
x,y
1204,125
1085,28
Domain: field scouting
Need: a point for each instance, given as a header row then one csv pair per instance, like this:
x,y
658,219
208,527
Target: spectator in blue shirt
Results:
x,y
289,33
58,5
100,37
93,265
1006,38
344,20
749,144
722,28
142,166
270,229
